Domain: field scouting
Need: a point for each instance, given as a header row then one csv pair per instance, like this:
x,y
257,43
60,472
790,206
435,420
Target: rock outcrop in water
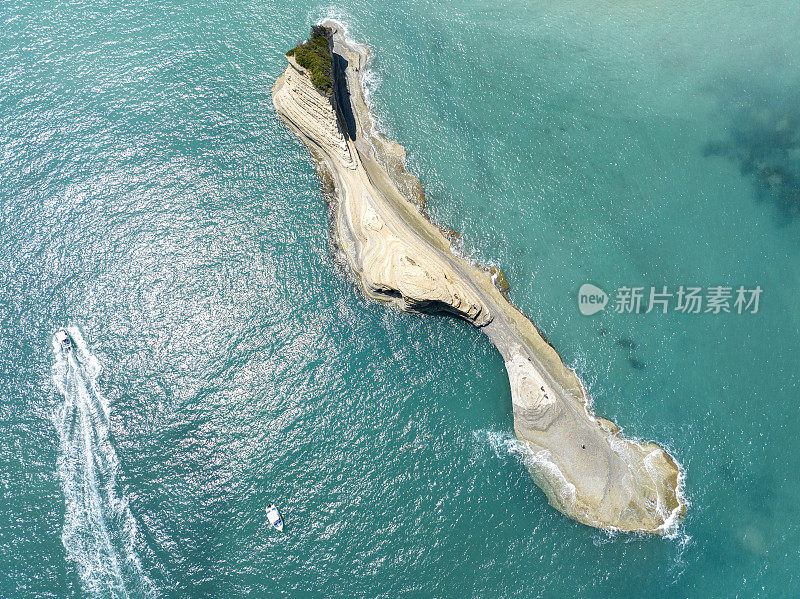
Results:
x,y
588,470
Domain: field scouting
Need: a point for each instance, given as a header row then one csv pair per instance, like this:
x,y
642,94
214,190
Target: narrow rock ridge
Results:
x,y
588,470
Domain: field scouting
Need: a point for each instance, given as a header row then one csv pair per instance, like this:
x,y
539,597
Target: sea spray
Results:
x,y
99,532
501,443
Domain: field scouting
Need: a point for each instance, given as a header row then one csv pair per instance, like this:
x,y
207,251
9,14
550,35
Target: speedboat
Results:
x,y
274,517
63,339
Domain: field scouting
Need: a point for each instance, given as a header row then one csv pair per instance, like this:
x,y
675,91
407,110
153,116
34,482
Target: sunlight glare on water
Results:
x,y
152,200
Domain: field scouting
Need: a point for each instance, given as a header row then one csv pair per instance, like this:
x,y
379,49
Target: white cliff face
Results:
x,y
582,462
392,265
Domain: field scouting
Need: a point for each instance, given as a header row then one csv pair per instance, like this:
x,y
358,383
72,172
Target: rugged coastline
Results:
x,y
588,470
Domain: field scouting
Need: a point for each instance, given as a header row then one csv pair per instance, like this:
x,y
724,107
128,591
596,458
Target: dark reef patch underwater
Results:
x,y
763,138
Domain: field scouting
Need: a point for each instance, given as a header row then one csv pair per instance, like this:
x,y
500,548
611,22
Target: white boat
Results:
x,y
274,517
62,337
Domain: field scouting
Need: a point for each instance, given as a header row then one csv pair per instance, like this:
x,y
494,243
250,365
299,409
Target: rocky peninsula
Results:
x,y
588,470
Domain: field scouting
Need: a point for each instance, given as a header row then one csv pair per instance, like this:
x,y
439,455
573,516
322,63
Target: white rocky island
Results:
x,y
588,470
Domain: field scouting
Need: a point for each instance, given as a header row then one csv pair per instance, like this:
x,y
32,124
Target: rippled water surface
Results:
x,y
153,203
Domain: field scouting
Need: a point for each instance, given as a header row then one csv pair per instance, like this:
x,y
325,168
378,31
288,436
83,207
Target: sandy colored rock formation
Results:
x,y
588,470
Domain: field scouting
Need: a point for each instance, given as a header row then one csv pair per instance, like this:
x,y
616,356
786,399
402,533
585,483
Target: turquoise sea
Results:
x,y
151,201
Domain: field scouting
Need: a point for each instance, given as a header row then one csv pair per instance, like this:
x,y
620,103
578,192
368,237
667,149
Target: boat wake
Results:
x,y
99,532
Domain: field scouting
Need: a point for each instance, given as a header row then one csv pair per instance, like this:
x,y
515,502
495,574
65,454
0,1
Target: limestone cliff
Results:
x,y
588,470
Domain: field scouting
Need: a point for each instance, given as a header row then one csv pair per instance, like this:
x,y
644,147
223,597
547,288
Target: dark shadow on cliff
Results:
x,y
347,119
763,139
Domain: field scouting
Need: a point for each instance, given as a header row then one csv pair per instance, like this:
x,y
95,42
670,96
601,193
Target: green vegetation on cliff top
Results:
x,y
315,56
